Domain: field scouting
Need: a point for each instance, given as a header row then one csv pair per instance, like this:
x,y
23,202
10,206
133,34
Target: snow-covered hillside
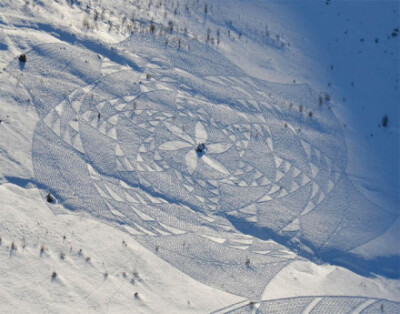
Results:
x,y
192,156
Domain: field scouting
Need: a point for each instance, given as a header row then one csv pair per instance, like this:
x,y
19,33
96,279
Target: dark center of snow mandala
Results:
x,y
201,163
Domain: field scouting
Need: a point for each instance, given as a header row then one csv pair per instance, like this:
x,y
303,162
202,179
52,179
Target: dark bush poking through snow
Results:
x,y
22,58
13,247
50,198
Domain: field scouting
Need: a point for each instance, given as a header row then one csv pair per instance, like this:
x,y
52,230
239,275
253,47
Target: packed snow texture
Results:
x,y
235,181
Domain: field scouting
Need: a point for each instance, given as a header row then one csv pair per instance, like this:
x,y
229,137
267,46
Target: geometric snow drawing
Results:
x,y
331,304
122,147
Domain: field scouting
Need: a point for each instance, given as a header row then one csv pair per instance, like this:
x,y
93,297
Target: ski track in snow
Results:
x,y
122,146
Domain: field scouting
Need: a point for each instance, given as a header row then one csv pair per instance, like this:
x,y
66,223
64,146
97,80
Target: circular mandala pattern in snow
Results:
x,y
125,148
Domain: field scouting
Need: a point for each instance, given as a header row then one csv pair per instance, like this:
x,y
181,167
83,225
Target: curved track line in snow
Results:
x,y
323,304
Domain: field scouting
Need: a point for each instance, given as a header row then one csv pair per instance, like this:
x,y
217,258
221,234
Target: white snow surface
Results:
x,y
233,160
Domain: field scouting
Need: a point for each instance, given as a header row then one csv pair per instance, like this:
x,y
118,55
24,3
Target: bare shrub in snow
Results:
x,y
22,58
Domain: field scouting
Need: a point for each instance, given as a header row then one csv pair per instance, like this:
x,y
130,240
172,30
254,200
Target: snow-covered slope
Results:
x,y
110,203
